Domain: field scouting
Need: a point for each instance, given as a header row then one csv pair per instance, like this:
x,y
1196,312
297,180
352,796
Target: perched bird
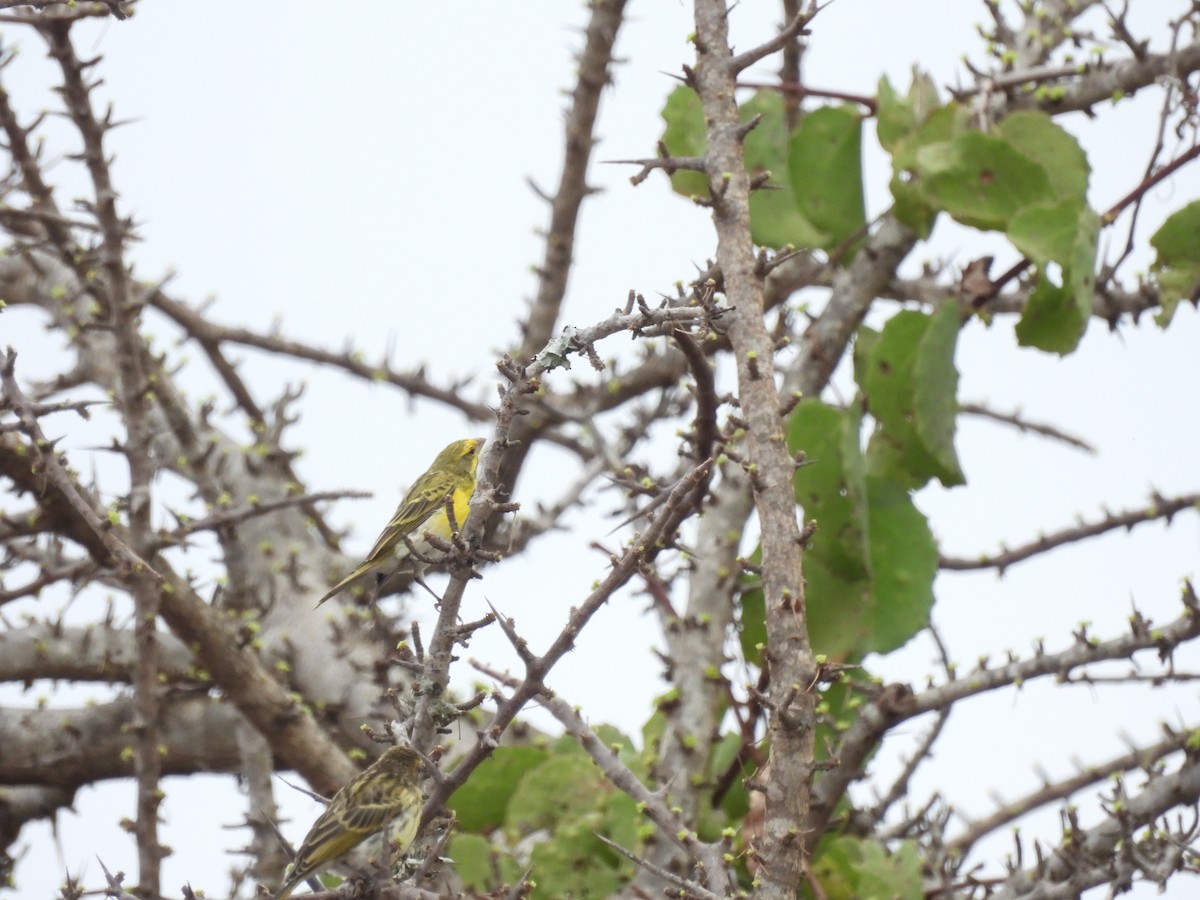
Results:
x,y
422,511
385,792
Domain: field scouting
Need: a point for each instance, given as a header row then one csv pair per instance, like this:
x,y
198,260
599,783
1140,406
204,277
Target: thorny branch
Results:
x,y
706,858
642,549
788,655
122,551
1159,508
1144,758
136,387
297,739
897,703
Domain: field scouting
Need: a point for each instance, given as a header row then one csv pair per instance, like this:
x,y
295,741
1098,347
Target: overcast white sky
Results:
x,y
359,174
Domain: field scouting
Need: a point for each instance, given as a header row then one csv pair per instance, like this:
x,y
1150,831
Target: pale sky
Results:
x,y
359,175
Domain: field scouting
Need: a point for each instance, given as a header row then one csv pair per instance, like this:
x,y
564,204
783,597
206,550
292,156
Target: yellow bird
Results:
x,y
422,511
384,793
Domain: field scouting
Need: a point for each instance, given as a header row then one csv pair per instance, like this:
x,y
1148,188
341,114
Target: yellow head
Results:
x,y
459,459
402,763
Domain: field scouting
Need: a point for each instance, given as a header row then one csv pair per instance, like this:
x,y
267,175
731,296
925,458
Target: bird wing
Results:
x,y
330,837
424,499
375,804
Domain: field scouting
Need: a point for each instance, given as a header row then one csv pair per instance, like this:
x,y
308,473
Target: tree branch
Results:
x,y
1160,508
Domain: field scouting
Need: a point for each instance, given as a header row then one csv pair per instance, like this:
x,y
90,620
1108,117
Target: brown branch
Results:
x,y
797,91
1156,177
665,161
1103,83
69,748
625,567
594,64
38,410
295,737
786,36
134,406
1024,425
866,821
65,10
1003,81
655,807
1052,792
789,66
896,703
1108,304
210,336
792,721
267,856
1160,508
20,804
230,517
1090,857
99,653
73,571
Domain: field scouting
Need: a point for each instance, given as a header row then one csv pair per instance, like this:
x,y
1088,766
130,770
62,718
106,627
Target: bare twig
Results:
x,y
1164,508
1052,792
1022,424
295,737
897,703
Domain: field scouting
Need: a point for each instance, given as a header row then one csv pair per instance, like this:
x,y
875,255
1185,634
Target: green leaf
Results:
x,y
1081,267
775,216
890,876
1177,263
752,625
981,180
1176,240
1050,321
835,866
478,863
839,607
911,205
831,487
1056,316
941,125
573,862
567,799
685,136
898,116
869,569
621,823
481,802
654,729
910,388
825,167
935,381
904,560
865,341
851,868
551,791
736,801
1036,136
1046,233
911,208
881,610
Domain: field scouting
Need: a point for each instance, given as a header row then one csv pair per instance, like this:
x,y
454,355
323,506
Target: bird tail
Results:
x,y
355,576
288,887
